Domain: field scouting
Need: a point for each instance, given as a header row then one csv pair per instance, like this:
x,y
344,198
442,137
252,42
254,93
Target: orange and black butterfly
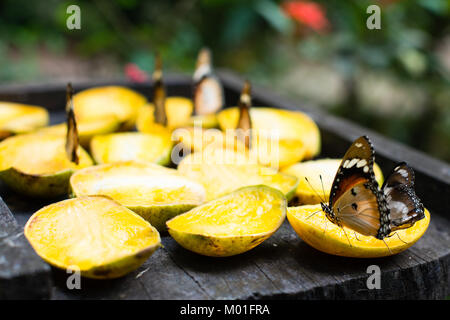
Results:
x,y
357,203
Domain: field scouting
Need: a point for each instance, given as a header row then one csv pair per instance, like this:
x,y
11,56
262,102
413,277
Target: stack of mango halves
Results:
x,y
217,180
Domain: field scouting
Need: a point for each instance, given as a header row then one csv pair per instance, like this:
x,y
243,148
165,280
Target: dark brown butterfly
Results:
x,y
159,92
357,203
72,132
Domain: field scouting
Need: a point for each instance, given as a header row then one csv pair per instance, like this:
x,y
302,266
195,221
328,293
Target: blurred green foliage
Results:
x,y
410,54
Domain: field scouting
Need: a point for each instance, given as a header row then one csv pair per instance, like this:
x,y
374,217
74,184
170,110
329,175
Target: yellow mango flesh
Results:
x,y
204,120
39,154
132,146
327,237
87,128
222,171
20,118
95,234
232,224
285,124
107,101
178,112
312,192
269,152
196,139
135,183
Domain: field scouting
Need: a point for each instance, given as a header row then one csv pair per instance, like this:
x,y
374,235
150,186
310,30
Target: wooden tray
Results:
x,y
284,267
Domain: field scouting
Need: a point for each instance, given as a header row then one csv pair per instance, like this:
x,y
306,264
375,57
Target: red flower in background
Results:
x,y
308,13
134,73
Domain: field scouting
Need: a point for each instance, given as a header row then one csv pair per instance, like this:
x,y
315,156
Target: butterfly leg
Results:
x,y
356,236
326,225
346,236
395,233
387,246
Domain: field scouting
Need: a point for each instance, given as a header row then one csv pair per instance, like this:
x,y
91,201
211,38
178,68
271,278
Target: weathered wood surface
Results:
x,y
23,275
283,267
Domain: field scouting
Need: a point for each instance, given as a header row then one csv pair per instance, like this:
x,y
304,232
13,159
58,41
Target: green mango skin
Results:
x,y
37,186
291,193
121,267
226,246
157,215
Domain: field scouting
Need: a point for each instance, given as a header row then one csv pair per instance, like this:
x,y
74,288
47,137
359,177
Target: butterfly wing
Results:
x,y
404,205
208,96
208,91
355,199
357,209
356,167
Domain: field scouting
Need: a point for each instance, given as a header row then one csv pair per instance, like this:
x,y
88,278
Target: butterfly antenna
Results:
x,y
313,214
321,182
312,188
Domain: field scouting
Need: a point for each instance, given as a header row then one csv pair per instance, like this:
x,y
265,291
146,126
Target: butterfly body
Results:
x,y
357,203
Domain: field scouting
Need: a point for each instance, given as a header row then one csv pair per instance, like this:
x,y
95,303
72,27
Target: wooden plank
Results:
x,y
23,275
283,266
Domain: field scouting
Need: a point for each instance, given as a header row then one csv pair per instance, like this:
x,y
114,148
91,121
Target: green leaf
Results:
x,y
272,13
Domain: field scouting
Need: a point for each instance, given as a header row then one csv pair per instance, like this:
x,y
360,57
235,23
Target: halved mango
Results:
x,y
37,164
87,128
94,235
284,124
178,111
232,224
132,146
18,118
223,170
312,192
334,241
196,139
274,153
154,192
206,121
107,101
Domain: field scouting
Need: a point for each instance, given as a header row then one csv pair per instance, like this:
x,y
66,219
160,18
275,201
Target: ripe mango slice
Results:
x,y
312,193
206,121
154,192
20,118
94,235
178,111
334,240
196,139
107,101
222,171
275,153
232,224
132,146
283,123
37,164
87,128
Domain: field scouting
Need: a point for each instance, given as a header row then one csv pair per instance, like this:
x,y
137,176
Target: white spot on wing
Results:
x,y
352,162
346,163
361,163
403,173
